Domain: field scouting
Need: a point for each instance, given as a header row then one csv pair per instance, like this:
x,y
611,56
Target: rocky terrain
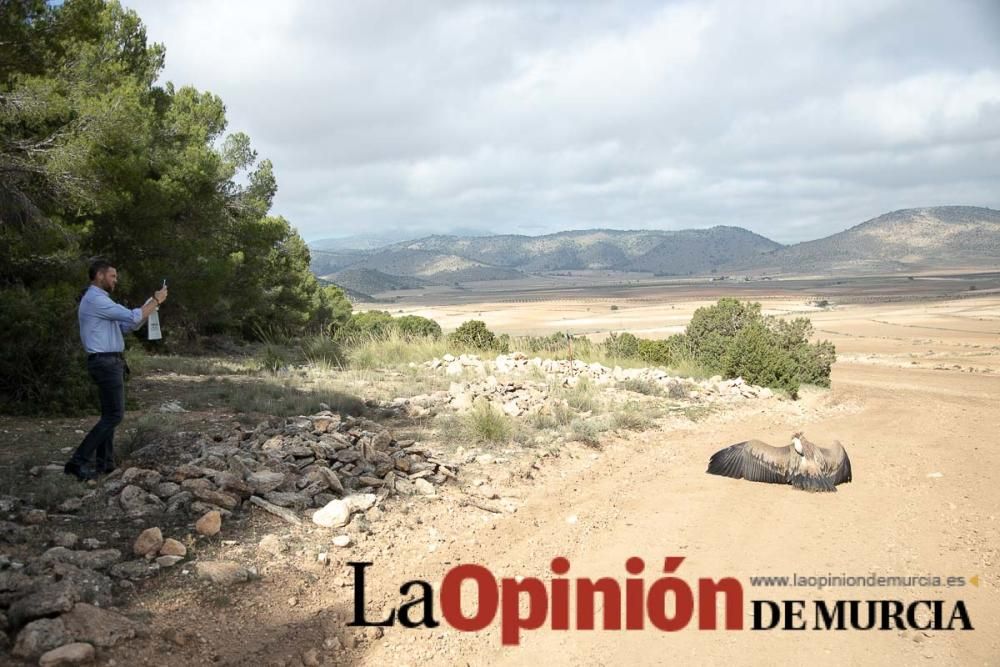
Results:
x,y
168,507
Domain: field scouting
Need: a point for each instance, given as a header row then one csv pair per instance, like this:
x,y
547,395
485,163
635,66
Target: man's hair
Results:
x,y
99,265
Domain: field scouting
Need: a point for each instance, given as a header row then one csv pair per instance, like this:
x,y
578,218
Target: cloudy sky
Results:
x,y
794,119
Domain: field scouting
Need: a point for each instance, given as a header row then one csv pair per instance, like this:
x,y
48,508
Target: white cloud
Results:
x,y
794,119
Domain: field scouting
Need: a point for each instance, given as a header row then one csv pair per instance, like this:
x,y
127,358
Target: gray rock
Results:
x,y
9,504
64,538
222,573
200,508
76,653
179,501
100,627
218,498
48,600
133,570
138,502
265,481
167,489
197,483
70,505
41,636
142,477
92,560
285,499
168,561
90,586
34,517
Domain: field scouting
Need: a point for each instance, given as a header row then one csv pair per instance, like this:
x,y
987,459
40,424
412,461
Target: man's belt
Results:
x,y
95,355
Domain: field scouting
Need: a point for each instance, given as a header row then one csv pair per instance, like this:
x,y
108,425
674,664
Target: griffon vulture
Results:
x,y
801,464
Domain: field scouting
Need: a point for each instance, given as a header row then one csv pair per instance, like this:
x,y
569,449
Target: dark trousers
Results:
x,y
108,372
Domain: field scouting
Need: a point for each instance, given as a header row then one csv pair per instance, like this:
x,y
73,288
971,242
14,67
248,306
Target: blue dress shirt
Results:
x,y
102,321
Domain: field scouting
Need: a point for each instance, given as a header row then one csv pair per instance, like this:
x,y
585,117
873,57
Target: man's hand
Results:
x,y
158,297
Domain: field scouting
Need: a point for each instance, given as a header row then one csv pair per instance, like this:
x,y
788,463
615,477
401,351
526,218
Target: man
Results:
x,y
102,323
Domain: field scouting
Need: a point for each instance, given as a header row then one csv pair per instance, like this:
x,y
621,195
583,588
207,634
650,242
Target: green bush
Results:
x,y
485,423
415,326
367,324
655,352
623,345
755,355
713,329
381,324
42,365
735,339
474,334
557,346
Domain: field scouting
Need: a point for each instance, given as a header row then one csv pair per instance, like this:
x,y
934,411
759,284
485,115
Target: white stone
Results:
x,y
334,514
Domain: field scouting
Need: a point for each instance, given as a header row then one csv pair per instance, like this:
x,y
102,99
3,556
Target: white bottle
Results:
x,y
153,327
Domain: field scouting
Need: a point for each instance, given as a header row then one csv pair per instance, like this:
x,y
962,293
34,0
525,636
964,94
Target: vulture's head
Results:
x,y
797,442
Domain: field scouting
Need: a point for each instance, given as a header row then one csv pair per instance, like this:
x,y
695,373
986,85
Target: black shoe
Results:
x,y
81,473
105,468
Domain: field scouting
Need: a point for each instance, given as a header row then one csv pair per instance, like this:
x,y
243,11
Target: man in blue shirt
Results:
x,y
102,323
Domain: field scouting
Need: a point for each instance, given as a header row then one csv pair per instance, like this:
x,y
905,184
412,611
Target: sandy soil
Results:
x,y
915,399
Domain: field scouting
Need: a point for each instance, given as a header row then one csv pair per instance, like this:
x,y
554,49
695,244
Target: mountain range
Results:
x,y
905,240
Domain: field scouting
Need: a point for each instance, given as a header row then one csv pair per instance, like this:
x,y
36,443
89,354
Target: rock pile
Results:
x,y
59,599
306,462
53,606
517,396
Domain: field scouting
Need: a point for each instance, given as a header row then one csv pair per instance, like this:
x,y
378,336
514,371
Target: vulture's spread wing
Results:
x,y
836,463
752,460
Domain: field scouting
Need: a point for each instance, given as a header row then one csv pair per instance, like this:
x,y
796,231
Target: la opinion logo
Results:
x,y
631,604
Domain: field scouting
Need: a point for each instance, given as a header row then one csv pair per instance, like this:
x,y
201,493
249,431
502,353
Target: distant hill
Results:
x,y
701,251
372,281
905,240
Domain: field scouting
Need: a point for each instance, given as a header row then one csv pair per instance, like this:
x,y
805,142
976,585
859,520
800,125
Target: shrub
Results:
x,y
631,417
323,352
623,345
655,352
366,324
474,334
641,386
755,355
485,423
558,345
713,329
735,339
415,326
42,365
